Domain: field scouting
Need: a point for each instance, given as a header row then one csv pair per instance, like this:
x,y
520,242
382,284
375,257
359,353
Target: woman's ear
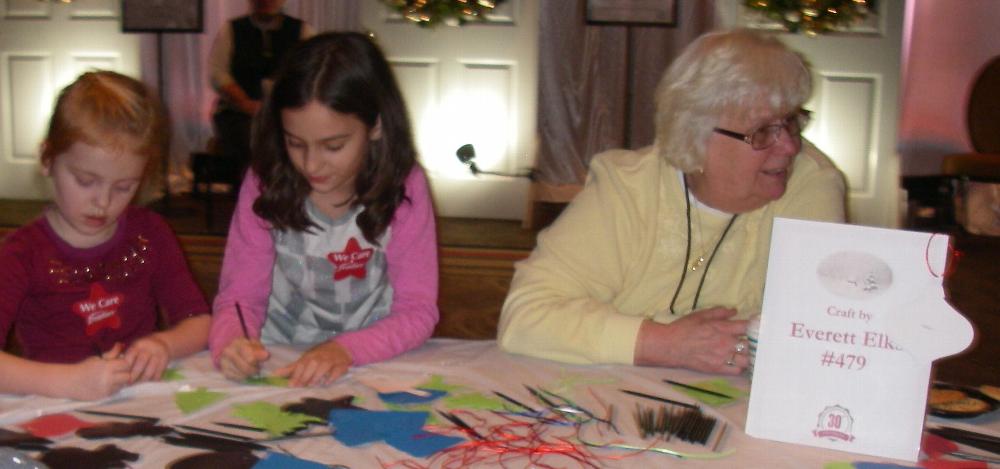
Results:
x,y
376,131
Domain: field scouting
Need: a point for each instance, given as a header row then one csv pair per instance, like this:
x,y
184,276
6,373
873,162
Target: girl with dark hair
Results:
x,y
332,243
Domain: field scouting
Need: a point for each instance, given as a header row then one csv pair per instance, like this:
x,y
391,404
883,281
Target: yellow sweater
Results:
x,y
614,257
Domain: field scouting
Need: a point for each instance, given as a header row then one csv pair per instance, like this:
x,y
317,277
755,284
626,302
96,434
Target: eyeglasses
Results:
x,y
765,137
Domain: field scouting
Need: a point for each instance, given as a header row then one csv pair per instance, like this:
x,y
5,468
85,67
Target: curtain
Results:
x,y
182,75
596,85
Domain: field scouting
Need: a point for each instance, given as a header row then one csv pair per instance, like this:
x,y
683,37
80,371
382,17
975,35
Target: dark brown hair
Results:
x,y
349,74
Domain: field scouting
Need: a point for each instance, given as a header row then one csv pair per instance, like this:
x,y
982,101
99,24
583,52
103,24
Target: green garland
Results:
x,y
813,16
430,13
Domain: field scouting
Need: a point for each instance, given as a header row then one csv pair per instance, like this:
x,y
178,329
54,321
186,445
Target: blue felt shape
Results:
x,y
423,444
404,398
402,430
354,427
284,461
878,465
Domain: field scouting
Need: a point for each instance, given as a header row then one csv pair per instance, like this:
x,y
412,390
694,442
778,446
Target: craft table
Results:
x,y
475,366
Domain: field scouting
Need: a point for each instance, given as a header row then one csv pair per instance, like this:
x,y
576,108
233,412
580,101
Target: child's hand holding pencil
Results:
x,y
241,359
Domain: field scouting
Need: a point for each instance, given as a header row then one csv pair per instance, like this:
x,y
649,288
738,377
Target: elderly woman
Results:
x,y
662,256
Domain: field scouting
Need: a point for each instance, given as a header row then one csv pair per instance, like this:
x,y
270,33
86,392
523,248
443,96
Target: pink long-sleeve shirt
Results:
x,y
411,262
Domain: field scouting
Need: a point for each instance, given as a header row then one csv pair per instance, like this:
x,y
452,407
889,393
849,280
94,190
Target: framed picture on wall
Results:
x,y
633,12
162,16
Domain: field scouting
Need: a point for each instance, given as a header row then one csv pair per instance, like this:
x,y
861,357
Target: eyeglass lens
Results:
x,y
766,136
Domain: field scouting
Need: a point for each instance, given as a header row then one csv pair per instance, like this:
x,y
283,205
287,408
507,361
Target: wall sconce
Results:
x,y
467,153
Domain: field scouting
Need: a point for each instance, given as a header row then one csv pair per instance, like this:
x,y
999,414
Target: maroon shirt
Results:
x,y
66,303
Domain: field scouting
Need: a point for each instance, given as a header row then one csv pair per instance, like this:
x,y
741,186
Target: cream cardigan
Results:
x,y
613,258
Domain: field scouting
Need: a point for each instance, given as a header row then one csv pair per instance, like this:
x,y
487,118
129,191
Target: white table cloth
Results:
x,y
474,365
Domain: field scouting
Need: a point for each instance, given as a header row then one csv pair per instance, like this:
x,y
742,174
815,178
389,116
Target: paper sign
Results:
x,y
851,320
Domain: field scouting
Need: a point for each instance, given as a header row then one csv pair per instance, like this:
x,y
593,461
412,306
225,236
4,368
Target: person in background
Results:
x,y
244,56
332,245
662,256
83,284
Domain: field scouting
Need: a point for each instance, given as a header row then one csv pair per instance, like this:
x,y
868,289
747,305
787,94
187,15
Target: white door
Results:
x,y
44,45
855,104
470,84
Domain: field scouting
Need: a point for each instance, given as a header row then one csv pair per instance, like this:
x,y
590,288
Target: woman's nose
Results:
x,y
788,144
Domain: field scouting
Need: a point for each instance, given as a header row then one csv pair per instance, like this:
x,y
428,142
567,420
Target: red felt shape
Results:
x,y
934,446
952,464
54,425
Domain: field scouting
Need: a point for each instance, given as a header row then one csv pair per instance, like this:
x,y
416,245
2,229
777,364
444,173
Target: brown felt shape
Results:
x,y
320,408
122,430
216,460
105,457
22,440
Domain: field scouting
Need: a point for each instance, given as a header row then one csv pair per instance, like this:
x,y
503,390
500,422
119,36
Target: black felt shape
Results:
x,y
25,441
216,460
214,443
105,457
320,408
122,430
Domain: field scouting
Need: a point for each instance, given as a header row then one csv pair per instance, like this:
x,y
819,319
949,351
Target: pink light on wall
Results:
x,y
945,44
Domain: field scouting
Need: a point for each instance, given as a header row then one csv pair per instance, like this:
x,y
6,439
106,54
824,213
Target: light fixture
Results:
x,y
467,153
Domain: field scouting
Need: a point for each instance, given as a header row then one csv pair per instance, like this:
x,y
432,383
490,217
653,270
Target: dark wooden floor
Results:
x,y
478,255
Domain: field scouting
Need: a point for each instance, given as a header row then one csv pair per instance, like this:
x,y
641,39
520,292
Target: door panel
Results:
x,y
470,84
44,45
854,103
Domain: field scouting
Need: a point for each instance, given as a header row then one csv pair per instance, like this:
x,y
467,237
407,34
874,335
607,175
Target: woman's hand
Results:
x,y
320,365
147,358
242,358
97,377
706,340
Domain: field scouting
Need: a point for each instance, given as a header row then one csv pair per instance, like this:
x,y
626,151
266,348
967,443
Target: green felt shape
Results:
x,y
838,465
276,381
717,385
569,382
436,383
172,374
474,400
432,416
192,401
271,418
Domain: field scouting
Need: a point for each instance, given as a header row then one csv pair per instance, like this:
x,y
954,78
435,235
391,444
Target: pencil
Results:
x,y
116,414
229,436
243,325
243,322
513,401
696,388
658,398
461,424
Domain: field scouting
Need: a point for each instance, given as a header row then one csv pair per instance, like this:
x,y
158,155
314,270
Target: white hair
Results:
x,y
739,73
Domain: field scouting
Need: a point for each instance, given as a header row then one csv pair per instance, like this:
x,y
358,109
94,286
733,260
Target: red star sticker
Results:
x,y
351,261
100,310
